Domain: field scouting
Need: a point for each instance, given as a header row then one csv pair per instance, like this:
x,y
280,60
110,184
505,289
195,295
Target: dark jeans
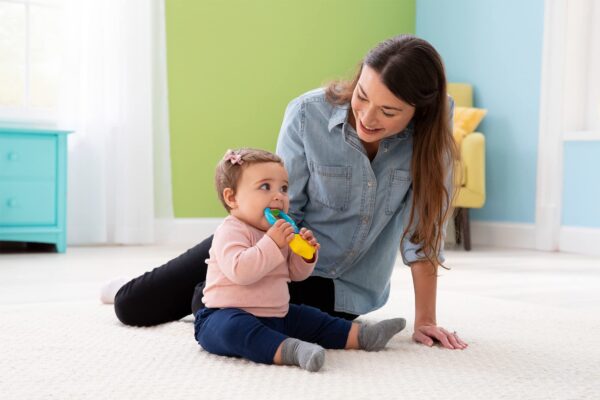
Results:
x,y
165,293
237,333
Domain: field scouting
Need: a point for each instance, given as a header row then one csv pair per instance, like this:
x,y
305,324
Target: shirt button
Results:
x,y
365,220
369,183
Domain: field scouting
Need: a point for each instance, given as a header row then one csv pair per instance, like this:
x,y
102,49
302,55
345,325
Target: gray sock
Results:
x,y
306,355
375,337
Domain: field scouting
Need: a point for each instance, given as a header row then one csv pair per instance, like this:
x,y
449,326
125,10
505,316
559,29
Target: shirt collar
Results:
x,y
339,115
406,133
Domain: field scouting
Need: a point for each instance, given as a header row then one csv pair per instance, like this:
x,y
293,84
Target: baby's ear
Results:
x,y
229,197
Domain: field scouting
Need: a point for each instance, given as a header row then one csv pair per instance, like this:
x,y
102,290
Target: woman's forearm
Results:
x,y
425,285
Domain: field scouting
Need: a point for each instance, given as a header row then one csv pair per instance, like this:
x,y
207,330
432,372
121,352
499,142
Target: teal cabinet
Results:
x,y
33,185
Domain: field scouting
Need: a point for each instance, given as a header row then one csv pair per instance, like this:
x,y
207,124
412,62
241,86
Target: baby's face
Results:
x,y
261,185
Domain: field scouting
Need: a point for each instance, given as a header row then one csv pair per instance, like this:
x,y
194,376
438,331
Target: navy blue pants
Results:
x,y
237,333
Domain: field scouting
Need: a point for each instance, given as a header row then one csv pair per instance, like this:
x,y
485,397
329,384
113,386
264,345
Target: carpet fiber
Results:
x,y
517,351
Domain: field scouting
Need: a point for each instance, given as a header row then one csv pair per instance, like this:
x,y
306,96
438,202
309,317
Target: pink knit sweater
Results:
x,y
247,270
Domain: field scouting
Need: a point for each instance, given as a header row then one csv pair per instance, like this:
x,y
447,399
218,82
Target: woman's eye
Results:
x,y
388,115
360,97
265,186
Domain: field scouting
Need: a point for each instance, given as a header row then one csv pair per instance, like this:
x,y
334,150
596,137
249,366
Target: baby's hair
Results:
x,y
229,169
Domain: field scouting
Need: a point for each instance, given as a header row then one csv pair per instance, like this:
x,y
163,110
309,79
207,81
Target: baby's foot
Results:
x,y
375,337
306,355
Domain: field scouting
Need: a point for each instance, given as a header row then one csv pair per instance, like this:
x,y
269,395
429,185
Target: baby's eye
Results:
x,y
265,186
284,189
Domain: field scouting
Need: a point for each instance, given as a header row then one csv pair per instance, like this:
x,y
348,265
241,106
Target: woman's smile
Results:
x,y
369,130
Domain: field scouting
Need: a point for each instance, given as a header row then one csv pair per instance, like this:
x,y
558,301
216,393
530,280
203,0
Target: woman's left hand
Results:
x,y
428,334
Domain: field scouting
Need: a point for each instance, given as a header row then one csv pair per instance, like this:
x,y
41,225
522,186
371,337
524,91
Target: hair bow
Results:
x,y
233,157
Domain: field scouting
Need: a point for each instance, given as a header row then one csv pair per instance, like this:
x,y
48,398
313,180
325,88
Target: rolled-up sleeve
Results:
x,y
290,147
410,251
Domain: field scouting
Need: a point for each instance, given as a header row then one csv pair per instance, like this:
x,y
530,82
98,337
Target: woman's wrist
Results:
x,y
424,321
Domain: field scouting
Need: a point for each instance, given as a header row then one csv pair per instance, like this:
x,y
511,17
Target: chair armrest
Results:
x,y
472,153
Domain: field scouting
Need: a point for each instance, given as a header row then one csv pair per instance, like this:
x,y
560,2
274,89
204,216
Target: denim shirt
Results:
x,y
356,208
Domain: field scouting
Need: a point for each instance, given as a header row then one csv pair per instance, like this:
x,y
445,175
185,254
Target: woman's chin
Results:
x,y
369,137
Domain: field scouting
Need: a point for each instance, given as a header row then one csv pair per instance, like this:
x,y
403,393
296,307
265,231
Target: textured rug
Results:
x,y
517,351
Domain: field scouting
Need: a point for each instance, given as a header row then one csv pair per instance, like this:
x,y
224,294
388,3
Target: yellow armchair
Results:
x,y
470,173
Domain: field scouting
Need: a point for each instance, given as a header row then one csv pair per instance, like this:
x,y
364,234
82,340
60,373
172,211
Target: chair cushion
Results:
x,y
466,120
462,93
458,134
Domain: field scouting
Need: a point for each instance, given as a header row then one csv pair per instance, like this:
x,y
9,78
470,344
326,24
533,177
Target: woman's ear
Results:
x,y
229,197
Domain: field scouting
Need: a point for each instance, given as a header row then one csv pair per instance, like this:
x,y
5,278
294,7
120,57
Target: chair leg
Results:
x,y
466,228
457,227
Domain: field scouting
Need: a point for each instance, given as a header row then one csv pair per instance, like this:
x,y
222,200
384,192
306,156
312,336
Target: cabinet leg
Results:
x,y
61,246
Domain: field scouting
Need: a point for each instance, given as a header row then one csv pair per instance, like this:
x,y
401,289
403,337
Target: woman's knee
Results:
x,y
131,310
125,308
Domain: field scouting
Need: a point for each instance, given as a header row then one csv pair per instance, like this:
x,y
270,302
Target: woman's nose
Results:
x,y
369,117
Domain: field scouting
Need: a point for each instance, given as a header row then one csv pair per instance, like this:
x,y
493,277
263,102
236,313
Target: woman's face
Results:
x,y
377,112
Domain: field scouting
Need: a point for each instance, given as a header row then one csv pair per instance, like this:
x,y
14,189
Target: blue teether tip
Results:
x,y
269,216
271,219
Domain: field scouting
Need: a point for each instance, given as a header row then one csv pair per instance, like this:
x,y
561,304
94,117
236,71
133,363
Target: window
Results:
x,y
30,59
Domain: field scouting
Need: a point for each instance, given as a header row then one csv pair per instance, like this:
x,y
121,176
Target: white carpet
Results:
x,y
517,351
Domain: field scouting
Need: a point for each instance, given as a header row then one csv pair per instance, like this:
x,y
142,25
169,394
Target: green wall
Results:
x,y
234,65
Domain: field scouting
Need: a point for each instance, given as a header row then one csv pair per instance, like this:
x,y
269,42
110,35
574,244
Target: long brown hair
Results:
x,y
413,71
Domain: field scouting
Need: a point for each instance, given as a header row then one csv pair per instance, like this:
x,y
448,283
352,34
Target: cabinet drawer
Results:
x,y
32,156
27,203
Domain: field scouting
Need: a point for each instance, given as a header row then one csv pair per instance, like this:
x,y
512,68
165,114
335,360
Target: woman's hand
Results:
x,y
428,334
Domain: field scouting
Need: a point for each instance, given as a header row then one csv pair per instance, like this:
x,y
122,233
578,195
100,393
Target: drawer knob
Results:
x,y
13,156
11,203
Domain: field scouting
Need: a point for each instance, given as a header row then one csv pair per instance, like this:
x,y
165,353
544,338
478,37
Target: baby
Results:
x,y
247,311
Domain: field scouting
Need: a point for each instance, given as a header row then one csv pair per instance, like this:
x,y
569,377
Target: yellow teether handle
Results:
x,y
301,247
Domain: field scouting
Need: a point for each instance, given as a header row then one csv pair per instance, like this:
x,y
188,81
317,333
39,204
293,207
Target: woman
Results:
x,y
370,167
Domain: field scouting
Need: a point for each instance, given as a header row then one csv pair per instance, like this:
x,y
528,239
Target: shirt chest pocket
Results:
x,y
398,185
330,185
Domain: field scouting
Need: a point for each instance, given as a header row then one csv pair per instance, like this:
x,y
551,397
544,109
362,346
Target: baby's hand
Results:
x,y
281,232
310,238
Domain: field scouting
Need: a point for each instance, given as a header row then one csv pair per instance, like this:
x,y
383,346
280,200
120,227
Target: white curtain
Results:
x,y
116,101
582,66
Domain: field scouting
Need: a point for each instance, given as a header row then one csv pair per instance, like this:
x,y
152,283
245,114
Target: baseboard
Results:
x,y
193,230
580,240
184,230
499,234
503,234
